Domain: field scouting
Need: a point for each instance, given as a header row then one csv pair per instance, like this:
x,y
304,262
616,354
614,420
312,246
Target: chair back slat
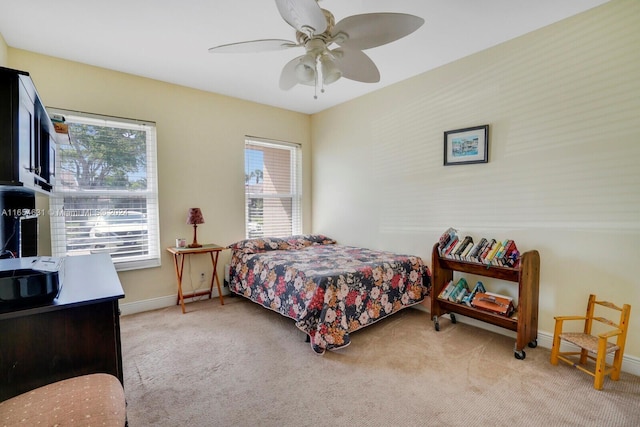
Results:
x,y
607,321
609,305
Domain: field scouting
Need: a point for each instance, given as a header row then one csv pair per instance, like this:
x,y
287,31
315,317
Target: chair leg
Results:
x,y
601,366
555,347
583,356
617,365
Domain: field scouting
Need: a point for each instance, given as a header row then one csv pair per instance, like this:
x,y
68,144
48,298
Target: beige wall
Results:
x,y
563,105
200,153
3,52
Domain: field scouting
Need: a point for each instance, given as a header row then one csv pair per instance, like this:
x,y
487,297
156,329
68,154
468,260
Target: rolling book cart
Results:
x,y
524,321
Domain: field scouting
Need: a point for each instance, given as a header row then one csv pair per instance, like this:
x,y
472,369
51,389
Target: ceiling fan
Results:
x,y
317,32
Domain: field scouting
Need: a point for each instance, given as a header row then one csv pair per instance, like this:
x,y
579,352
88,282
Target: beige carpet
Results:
x,y
242,365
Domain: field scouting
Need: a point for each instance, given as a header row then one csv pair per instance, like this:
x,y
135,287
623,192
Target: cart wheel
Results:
x,y
520,355
435,323
437,326
453,318
533,344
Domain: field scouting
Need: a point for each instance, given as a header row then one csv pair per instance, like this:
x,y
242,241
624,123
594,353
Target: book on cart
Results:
x,y
461,286
446,290
464,256
445,239
499,258
512,257
449,247
473,255
461,295
454,249
485,251
492,253
494,303
479,287
463,245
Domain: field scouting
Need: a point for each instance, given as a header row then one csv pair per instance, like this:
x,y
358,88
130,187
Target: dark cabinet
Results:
x,y
27,136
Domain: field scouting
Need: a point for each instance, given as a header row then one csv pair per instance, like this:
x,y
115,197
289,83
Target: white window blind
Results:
x,y
272,188
105,197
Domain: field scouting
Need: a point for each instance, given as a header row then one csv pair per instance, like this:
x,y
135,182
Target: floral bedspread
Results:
x,y
330,290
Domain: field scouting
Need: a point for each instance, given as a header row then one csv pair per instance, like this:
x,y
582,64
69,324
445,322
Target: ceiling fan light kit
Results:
x,y
317,32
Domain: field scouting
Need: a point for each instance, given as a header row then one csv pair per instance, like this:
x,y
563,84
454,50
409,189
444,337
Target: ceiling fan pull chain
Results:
x,y
317,77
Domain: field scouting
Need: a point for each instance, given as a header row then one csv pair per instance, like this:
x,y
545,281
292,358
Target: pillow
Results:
x,y
263,244
303,240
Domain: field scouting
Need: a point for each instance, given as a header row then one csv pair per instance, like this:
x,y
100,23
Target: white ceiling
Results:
x,y
168,40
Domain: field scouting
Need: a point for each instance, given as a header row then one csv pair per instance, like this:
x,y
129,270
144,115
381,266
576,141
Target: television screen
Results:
x,y
28,236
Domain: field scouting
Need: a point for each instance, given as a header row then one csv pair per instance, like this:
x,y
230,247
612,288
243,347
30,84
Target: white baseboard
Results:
x,y
147,305
630,364
157,303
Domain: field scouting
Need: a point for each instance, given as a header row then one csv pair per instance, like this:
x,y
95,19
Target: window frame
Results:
x,y
151,256
295,188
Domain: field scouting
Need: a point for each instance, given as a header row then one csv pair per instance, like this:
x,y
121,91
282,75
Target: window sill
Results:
x,y
137,265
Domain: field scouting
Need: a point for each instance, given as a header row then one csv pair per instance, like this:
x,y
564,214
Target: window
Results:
x,y
272,188
105,197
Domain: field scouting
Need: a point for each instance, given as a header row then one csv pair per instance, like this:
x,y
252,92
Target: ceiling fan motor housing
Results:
x,y
318,56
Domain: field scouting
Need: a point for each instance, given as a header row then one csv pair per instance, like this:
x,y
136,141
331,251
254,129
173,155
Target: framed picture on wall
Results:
x,y
465,146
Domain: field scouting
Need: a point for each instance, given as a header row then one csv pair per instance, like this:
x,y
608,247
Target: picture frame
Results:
x,y
466,146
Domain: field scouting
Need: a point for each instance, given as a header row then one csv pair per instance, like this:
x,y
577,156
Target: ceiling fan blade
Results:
x,y
356,65
374,29
254,46
303,15
288,77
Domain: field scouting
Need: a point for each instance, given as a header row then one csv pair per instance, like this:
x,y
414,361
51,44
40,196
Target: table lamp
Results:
x,y
195,217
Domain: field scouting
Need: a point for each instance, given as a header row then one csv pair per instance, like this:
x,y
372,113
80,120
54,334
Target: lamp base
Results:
x,y
195,243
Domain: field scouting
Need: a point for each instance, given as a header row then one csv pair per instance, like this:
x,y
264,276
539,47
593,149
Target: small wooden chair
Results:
x,y
590,344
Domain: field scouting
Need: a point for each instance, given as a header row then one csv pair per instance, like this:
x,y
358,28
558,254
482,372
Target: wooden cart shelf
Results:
x,y
526,275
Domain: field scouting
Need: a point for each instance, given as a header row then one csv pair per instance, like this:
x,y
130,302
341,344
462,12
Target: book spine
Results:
x,y
499,259
467,255
445,238
460,285
512,257
492,253
478,257
447,247
473,256
486,250
444,293
455,249
479,287
462,247
464,256
450,247
461,295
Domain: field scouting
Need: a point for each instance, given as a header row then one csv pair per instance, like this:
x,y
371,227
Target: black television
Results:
x,y
28,238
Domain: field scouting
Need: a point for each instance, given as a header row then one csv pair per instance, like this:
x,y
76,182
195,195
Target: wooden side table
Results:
x,y
179,255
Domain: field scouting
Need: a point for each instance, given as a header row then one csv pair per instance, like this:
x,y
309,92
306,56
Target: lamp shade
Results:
x,y
306,68
195,216
330,72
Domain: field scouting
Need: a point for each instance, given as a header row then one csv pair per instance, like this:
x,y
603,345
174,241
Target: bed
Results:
x,y
329,290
